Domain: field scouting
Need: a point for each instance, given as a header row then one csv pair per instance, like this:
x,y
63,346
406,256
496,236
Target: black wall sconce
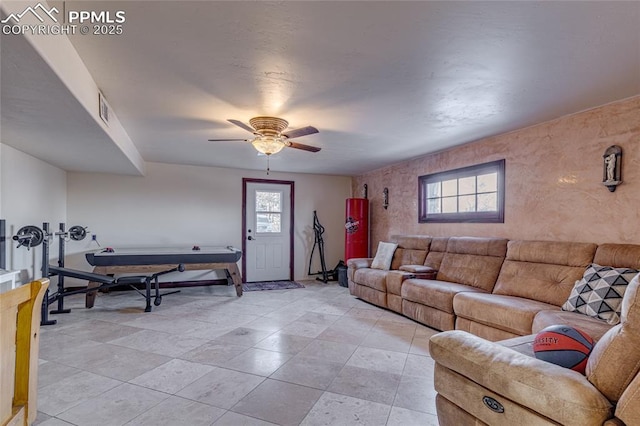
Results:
x,y
612,167
366,191
385,202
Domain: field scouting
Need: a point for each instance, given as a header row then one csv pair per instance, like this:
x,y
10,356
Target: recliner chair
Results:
x,y
485,383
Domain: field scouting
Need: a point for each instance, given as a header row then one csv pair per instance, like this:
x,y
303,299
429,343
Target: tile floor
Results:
x,y
312,356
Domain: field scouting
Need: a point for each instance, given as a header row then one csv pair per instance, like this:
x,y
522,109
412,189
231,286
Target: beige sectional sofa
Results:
x,y
491,287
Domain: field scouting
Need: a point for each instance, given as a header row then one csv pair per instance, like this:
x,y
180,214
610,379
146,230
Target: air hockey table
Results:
x,y
151,260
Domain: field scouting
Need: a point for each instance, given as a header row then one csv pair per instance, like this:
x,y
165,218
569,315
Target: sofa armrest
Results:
x,y
558,393
359,263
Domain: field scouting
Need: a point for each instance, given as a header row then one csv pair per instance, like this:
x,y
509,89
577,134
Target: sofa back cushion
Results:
x,y
473,261
412,250
615,359
407,257
618,255
436,252
543,270
416,242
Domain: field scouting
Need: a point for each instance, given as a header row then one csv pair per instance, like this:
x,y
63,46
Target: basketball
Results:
x,y
563,345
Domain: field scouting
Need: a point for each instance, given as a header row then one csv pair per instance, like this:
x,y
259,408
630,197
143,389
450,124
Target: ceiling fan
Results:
x,y
270,137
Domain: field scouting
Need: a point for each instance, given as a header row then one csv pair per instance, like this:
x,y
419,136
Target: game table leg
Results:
x,y
235,276
90,297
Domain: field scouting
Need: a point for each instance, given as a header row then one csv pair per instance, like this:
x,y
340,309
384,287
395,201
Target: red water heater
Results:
x,y
356,241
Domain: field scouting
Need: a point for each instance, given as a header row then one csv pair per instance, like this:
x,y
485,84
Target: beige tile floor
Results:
x,y
312,356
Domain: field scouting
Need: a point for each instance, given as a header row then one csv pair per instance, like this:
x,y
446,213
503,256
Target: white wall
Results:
x,y
32,192
186,205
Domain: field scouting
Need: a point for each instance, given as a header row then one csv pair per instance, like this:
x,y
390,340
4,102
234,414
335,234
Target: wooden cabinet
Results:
x,y
20,310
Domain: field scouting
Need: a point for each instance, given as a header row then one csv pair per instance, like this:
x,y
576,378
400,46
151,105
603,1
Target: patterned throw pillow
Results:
x,y
384,255
599,293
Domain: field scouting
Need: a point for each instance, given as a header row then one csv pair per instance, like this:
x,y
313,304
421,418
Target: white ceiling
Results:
x,y
41,117
382,81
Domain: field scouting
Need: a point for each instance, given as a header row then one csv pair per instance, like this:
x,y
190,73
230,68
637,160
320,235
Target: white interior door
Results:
x,y
267,229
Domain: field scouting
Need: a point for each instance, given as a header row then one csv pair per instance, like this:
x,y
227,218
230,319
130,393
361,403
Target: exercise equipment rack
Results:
x,y
32,236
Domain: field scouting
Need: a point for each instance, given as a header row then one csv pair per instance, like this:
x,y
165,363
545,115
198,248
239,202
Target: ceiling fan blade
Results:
x,y
241,124
228,140
303,147
303,131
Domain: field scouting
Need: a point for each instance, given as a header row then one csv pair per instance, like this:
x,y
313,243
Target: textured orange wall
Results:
x,y
553,188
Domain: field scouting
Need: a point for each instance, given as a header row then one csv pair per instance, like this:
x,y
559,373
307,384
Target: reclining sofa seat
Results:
x,y
371,284
470,264
429,268
470,369
535,276
615,255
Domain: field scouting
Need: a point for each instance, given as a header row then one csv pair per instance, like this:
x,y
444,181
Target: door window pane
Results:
x,y
268,222
268,211
267,201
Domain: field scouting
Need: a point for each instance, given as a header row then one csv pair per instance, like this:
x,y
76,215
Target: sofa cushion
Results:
x,y
436,252
615,359
414,242
412,249
592,326
434,293
403,256
384,255
374,278
618,255
473,261
543,270
599,293
551,252
508,313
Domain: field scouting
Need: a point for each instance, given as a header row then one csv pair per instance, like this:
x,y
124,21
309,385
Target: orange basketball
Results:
x,y
563,345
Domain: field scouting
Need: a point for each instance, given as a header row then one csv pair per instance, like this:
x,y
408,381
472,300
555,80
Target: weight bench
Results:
x,y
107,281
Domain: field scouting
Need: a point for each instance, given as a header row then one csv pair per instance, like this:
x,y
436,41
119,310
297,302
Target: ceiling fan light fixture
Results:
x,y
268,145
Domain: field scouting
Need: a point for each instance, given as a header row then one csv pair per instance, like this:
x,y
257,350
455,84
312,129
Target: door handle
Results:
x,y
250,238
